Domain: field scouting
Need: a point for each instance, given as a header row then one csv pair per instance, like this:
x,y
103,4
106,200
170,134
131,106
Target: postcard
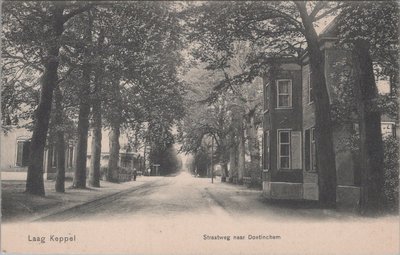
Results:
x,y
200,127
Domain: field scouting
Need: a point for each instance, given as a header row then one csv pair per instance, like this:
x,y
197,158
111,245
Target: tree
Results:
x,y
202,160
247,96
128,71
84,105
165,155
147,65
61,128
60,141
207,119
97,95
324,142
280,28
25,19
34,182
225,115
94,171
371,37
84,54
115,120
144,59
371,145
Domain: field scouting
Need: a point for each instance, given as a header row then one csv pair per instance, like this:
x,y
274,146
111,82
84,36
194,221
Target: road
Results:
x,y
180,195
186,215
186,196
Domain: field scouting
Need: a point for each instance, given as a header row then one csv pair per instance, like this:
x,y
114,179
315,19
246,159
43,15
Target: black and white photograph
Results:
x,y
200,127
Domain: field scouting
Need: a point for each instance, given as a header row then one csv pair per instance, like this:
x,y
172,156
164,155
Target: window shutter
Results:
x,y
25,153
266,150
296,149
20,147
307,154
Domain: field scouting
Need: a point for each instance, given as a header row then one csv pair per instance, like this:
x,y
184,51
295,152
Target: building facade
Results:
x,y
15,147
289,151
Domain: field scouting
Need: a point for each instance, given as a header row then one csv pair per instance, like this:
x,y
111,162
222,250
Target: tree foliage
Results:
x,y
277,29
140,59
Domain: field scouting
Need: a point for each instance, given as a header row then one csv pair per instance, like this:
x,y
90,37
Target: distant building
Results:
x,y
289,151
15,147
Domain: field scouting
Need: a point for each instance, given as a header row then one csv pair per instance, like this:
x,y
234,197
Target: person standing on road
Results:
x,y
134,174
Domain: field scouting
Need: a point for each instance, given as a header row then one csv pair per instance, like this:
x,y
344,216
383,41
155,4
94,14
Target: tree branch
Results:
x,y
216,139
66,75
318,7
75,12
22,59
291,20
337,7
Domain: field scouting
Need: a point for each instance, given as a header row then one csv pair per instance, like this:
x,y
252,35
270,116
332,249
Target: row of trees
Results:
x,y
101,66
231,118
117,66
368,30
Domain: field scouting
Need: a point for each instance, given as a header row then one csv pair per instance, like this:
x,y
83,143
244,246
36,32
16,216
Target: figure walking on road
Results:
x,y
134,174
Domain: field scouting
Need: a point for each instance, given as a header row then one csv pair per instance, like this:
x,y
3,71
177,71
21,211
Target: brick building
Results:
x,y
289,153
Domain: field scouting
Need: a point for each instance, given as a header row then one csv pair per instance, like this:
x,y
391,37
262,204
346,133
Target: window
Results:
x,y
289,150
284,149
284,93
70,156
307,150
53,159
388,129
266,150
23,148
310,150
356,128
313,151
266,97
384,86
310,90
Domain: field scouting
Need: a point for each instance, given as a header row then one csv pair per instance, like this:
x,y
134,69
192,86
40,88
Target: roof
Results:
x,y
331,30
328,33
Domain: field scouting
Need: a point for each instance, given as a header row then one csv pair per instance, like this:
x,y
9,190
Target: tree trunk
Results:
x,y
94,171
242,152
254,148
34,182
60,141
371,145
112,173
224,169
237,119
145,156
83,129
232,159
115,123
84,110
326,164
222,153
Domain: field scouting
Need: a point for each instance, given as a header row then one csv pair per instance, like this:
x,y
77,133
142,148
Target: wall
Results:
x,y
310,178
334,64
308,108
276,119
8,144
105,146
